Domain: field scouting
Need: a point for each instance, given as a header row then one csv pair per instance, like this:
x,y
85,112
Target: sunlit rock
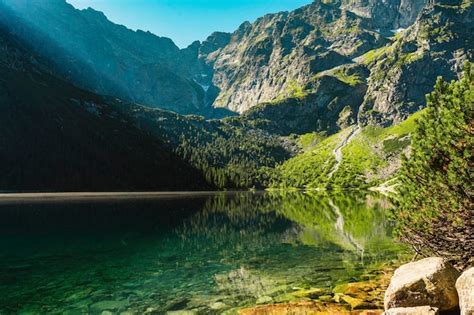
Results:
x,y
465,288
430,281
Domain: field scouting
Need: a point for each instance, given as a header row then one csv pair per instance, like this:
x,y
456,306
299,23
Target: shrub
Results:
x,y
435,212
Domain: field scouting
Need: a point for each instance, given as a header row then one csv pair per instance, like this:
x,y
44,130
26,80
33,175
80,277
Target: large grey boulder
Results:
x,y
420,310
430,281
465,288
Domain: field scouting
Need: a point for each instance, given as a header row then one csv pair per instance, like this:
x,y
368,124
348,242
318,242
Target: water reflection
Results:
x,y
206,254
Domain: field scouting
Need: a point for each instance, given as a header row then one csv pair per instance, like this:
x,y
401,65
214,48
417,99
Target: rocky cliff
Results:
x,y
438,44
268,59
398,46
387,15
283,57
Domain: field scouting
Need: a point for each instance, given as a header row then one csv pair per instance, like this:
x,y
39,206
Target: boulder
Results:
x,y
420,310
465,288
430,281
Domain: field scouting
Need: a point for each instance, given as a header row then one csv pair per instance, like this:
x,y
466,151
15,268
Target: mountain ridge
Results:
x,y
309,74
261,62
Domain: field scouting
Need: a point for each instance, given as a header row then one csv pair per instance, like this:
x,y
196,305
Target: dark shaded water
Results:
x,y
207,254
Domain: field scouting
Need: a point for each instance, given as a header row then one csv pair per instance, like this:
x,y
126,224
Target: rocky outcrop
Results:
x,y
387,15
430,281
330,102
420,310
268,59
465,288
438,44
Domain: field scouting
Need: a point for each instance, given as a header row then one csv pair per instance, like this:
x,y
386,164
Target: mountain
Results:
x,y
387,15
231,156
438,44
265,60
288,59
329,102
228,156
352,158
84,47
56,137
323,91
382,84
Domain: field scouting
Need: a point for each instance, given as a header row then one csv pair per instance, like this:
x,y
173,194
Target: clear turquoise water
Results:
x,y
205,254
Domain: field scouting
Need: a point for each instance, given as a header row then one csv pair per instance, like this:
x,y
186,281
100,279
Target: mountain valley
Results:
x,y
238,107
292,166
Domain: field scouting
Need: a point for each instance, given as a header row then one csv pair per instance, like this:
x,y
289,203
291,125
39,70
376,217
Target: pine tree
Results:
x,y
435,208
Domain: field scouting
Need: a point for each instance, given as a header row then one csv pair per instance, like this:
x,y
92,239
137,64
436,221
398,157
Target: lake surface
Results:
x,y
209,254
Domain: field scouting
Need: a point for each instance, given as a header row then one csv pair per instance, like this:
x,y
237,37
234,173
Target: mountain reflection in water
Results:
x,y
203,253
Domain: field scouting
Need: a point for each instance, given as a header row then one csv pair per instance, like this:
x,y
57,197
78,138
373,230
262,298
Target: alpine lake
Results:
x,y
204,254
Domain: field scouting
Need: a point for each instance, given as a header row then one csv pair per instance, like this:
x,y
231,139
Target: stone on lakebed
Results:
x,y
306,308
108,305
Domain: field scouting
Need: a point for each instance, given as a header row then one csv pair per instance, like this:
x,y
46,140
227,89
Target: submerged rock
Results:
x,y
358,304
304,308
325,298
294,308
218,306
430,281
420,310
182,312
264,300
108,305
361,295
311,293
465,288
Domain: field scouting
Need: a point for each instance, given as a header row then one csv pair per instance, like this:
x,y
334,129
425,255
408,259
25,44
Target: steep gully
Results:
x,y
338,150
339,225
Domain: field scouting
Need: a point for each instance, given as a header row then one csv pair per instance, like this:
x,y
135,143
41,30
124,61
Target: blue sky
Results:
x,y
186,20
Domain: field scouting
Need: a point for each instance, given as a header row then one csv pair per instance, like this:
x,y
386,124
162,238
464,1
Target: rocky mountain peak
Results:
x,y
389,14
278,53
276,57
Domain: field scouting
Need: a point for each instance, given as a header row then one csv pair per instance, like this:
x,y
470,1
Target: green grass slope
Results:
x,y
370,158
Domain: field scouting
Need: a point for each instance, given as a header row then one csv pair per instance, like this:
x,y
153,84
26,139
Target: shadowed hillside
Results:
x,y
57,137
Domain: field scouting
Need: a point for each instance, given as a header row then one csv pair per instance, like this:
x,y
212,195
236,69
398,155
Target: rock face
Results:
x,y
331,102
420,310
387,15
281,52
465,288
281,58
438,44
269,60
430,281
